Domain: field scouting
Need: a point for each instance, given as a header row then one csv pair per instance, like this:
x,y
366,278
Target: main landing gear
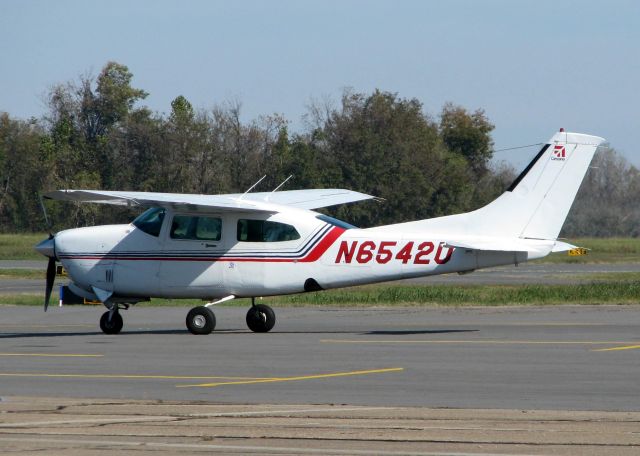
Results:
x,y
260,318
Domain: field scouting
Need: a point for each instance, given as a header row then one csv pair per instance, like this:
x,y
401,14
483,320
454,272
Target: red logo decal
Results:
x,y
559,152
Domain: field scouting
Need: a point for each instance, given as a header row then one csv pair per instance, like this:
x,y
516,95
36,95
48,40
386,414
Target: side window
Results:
x,y
265,231
196,228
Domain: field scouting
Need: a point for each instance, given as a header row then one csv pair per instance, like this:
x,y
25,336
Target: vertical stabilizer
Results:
x,y
536,205
543,194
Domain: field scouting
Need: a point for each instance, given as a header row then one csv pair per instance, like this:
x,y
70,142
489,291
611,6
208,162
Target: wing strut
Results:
x,y
226,298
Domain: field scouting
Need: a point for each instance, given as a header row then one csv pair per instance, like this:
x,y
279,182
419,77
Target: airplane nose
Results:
x,y
47,247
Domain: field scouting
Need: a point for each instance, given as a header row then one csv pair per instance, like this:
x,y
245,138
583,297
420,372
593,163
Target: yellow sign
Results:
x,y
61,271
578,251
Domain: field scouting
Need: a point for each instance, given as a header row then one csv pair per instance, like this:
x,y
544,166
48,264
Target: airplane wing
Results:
x,y
254,202
310,199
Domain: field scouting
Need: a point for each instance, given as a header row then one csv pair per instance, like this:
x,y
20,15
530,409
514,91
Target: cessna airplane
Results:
x,y
222,247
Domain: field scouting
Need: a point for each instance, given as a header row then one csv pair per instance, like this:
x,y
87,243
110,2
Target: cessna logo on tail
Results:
x,y
559,152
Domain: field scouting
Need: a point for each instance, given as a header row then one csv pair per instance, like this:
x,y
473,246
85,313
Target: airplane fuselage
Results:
x,y
131,262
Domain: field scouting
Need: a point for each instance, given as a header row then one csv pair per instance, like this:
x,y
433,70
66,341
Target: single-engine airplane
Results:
x,y
221,247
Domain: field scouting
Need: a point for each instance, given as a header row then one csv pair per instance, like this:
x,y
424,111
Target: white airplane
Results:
x,y
222,247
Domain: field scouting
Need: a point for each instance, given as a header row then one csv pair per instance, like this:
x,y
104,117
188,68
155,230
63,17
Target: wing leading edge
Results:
x,y
253,202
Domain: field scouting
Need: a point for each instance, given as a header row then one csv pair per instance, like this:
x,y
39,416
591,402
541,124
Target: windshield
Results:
x,y
150,221
335,222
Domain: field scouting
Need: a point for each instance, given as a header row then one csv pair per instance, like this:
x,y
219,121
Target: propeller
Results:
x,y
48,249
51,276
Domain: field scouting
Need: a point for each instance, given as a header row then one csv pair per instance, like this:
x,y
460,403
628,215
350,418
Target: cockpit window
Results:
x,y
198,228
265,231
335,222
150,221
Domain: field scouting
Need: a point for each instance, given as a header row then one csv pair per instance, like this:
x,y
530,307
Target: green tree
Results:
x,y
607,202
469,135
24,168
386,146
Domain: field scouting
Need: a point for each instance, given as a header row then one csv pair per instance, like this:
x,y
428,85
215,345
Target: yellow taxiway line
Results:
x,y
626,347
55,355
298,378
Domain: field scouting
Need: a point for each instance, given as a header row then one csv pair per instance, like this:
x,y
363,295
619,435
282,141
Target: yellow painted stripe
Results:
x,y
627,347
299,378
125,376
55,355
477,342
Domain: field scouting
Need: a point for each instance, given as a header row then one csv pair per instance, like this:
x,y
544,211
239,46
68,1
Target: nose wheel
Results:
x,y
111,322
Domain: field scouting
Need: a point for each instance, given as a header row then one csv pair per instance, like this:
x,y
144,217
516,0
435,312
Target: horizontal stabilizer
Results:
x,y
500,245
563,247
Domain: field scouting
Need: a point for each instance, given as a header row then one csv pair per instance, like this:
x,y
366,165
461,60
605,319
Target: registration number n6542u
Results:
x,y
383,252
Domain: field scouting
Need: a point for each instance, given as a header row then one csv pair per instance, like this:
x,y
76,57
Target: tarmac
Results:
x,y
466,381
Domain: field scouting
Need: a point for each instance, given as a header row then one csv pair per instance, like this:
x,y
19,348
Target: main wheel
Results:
x,y
201,320
111,327
261,318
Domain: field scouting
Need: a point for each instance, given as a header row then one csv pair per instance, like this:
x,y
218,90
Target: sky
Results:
x,y
532,66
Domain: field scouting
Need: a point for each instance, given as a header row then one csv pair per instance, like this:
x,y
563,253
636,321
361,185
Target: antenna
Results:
x,y
253,186
283,182
276,189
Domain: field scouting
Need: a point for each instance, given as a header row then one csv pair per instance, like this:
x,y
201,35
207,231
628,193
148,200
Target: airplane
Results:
x,y
222,247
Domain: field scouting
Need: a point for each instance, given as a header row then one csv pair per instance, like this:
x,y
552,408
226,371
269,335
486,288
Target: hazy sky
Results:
x,y
533,66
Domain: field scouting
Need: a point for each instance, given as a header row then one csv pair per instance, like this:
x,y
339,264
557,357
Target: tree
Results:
x,y
607,202
386,146
469,135
24,169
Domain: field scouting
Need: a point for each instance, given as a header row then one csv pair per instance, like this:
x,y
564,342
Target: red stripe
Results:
x,y
323,245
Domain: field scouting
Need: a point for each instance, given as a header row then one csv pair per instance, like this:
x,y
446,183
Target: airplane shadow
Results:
x,y
426,331
89,333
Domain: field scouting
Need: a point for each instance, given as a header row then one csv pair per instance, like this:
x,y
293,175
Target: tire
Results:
x,y
111,327
201,320
261,318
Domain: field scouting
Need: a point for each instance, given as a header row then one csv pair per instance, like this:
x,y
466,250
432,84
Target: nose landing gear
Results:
x,y
111,322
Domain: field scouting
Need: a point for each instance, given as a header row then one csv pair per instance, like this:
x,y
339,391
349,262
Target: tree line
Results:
x,y
97,134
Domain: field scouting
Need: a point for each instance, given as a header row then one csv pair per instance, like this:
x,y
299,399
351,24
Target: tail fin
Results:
x,y
536,205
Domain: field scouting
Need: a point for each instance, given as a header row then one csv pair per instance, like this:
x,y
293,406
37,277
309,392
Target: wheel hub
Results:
x,y
199,321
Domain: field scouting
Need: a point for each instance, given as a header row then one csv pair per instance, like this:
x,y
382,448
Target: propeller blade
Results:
x,y
51,276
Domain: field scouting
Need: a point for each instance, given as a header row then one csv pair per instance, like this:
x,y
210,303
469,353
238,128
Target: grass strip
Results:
x,y
35,274
20,246
602,250
627,292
